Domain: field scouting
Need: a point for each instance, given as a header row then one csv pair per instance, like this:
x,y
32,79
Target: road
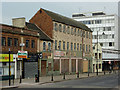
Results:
x,y
98,82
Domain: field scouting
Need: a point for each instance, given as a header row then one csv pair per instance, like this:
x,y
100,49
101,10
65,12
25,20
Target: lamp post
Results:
x,y
9,69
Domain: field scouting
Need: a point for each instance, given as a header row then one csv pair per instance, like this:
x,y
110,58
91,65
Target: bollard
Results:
x,y
13,79
78,75
64,76
104,72
52,77
20,79
88,74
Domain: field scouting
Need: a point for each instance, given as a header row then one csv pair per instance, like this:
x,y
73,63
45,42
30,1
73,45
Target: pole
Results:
x,y
38,69
97,52
9,68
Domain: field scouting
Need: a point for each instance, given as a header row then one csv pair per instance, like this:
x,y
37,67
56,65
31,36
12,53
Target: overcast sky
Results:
x,y
28,9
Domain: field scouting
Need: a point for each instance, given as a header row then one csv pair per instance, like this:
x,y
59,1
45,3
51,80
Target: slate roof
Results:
x,y
43,36
66,20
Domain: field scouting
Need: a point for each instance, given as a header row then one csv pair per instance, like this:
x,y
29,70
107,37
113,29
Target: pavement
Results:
x,y
47,79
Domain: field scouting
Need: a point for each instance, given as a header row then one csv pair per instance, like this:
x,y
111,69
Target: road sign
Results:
x,y
22,54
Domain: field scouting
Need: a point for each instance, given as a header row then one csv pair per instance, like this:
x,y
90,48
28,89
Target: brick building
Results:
x,y
72,41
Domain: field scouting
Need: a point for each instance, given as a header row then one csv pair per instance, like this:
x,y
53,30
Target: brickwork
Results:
x,y
42,20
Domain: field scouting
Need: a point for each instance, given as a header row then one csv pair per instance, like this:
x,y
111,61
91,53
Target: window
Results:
x,y
71,46
33,44
112,35
3,41
89,48
99,66
55,26
86,48
55,44
60,27
101,44
100,57
96,55
86,34
44,46
67,45
63,45
78,32
27,44
49,46
9,41
71,31
64,28
68,30
59,45
75,46
81,33
15,42
83,47
80,47
110,43
75,31
89,35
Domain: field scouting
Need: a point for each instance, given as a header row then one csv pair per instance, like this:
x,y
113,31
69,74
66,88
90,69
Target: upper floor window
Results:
x,y
83,48
3,41
60,27
9,41
75,46
15,42
67,45
68,30
89,35
89,48
33,44
27,43
75,31
86,34
44,46
55,44
81,33
49,46
59,45
55,26
78,32
71,30
80,47
63,45
64,28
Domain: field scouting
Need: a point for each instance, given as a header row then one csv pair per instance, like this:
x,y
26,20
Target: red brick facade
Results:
x,y
42,20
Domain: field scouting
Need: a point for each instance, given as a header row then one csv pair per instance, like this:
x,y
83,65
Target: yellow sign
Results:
x,y
5,57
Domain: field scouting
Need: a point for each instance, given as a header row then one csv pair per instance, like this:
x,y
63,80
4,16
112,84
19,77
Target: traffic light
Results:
x,y
40,55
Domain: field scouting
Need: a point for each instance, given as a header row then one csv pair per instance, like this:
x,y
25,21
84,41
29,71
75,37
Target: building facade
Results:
x,y
72,41
108,33
97,58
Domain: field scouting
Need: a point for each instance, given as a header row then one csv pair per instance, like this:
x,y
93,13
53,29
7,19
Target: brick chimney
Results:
x,y
18,22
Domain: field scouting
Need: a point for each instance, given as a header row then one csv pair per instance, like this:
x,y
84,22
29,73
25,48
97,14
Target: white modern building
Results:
x,y
108,33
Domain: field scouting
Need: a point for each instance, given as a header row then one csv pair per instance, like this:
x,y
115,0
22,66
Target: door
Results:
x,y
43,67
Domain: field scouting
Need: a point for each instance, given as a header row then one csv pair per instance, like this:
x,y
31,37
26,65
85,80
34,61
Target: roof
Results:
x,y
43,36
66,20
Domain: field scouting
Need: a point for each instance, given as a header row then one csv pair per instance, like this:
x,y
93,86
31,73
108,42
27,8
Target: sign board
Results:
x,y
5,57
22,44
59,53
32,58
22,54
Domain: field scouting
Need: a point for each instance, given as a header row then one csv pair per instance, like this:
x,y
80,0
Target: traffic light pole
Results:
x,y
9,69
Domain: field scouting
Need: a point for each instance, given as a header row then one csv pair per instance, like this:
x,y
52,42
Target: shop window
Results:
x,y
56,64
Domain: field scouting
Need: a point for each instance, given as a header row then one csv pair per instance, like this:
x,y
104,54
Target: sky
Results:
x,y
27,9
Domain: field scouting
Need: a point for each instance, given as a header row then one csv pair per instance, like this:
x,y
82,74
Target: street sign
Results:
x,y
22,44
22,54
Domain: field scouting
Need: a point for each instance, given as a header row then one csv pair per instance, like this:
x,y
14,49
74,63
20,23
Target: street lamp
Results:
x,y
9,69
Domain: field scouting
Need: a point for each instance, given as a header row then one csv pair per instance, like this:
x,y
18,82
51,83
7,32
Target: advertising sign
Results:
x,y
5,57
22,54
